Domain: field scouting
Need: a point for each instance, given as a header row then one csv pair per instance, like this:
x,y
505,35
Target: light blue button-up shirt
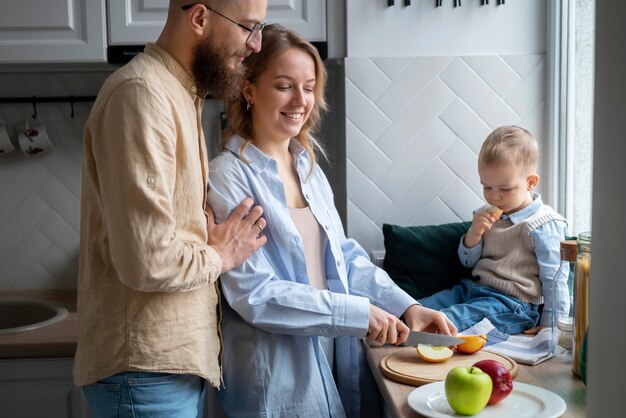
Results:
x,y
273,363
547,239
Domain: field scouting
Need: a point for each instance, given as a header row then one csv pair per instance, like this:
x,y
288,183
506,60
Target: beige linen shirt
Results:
x,y
147,292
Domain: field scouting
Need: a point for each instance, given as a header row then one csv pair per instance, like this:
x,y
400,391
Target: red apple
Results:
x,y
501,378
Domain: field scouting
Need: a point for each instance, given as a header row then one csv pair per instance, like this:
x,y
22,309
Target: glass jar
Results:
x,y
581,297
568,251
565,326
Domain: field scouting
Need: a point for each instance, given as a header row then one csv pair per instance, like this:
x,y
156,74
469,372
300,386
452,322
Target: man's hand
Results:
x,y
238,236
420,318
386,328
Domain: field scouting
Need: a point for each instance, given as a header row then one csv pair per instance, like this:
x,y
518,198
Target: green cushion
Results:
x,y
423,260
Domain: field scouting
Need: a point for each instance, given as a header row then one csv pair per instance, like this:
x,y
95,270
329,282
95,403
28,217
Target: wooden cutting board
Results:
x,y
406,366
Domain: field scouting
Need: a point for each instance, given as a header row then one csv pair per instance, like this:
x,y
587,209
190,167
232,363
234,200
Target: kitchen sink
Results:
x,y
17,315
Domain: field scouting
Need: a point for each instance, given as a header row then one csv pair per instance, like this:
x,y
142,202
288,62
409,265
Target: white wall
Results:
x,y
424,87
606,367
375,30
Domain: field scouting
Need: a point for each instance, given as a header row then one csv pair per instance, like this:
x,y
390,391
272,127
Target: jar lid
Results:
x,y
569,250
584,242
565,323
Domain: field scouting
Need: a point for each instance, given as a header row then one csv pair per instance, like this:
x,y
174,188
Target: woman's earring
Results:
x,y
247,105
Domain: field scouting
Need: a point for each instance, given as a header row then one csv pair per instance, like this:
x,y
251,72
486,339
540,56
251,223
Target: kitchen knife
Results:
x,y
416,337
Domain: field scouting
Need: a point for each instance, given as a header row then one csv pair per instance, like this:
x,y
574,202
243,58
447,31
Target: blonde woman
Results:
x,y
296,309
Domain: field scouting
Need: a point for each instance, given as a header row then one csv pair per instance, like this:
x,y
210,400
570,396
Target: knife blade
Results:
x,y
417,337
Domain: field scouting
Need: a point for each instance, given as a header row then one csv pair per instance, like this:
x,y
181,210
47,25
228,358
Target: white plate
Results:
x,y
525,401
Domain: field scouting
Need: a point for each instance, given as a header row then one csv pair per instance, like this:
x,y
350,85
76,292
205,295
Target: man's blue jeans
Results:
x,y
468,302
145,394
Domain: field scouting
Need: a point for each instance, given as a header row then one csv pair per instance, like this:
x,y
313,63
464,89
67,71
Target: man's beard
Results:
x,y
211,71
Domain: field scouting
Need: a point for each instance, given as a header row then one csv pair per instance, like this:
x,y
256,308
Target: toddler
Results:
x,y
514,251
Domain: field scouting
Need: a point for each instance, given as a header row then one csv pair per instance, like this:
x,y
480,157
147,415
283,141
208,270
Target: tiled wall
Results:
x,y
415,126
40,196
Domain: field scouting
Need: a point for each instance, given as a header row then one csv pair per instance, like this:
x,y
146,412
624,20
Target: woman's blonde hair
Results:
x,y
277,39
510,144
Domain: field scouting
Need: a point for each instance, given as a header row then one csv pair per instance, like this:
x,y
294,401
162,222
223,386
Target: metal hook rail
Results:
x,y
48,99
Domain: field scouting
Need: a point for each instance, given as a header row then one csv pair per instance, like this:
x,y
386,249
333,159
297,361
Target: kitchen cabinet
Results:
x,y
133,22
34,388
37,31
61,31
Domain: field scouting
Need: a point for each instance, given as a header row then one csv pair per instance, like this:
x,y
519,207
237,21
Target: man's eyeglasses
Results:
x,y
254,32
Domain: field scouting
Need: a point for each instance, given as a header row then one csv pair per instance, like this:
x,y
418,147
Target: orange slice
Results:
x,y
434,354
472,344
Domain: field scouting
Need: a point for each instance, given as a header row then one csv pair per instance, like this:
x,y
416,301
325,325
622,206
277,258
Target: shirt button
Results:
x,y
151,180
327,227
194,89
338,263
308,196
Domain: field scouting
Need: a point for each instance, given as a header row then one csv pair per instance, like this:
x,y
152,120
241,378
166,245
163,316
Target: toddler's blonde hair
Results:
x,y
510,144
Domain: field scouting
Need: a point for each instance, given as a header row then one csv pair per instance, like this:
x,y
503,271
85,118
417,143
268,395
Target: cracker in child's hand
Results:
x,y
494,211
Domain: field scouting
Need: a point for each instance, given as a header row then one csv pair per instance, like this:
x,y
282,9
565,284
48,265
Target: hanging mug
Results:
x,y
34,140
6,147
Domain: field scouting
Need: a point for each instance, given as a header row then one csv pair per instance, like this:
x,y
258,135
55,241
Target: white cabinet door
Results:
x,y
133,22
44,31
308,17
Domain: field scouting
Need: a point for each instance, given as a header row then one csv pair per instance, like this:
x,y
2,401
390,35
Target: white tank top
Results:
x,y
314,241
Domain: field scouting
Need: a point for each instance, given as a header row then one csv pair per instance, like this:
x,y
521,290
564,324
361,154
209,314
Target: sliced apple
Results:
x,y
434,354
472,344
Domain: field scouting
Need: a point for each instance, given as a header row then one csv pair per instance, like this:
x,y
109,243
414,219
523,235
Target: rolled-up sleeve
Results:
x,y
469,256
135,183
554,288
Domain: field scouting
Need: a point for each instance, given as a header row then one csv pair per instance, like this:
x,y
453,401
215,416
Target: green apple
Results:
x,y
468,389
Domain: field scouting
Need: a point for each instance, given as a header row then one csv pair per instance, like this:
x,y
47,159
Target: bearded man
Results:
x,y
150,251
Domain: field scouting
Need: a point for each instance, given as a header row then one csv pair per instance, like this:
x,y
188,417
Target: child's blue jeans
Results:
x,y
468,302
144,394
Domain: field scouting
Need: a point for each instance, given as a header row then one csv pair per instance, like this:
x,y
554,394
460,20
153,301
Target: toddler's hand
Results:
x,y
481,223
534,330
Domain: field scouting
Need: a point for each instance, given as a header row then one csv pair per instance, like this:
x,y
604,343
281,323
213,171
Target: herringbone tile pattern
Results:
x,y
415,126
40,200
40,207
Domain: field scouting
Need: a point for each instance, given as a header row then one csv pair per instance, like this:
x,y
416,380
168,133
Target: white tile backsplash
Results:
x,y
522,64
365,193
363,112
470,88
370,79
392,67
364,154
420,113
412,163
409,84
495,72
465,124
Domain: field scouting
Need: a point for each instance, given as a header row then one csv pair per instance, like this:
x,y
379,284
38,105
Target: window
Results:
x,y
571,49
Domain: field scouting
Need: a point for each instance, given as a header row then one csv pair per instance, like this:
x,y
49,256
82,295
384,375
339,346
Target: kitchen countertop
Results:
x,y
551,374
56,340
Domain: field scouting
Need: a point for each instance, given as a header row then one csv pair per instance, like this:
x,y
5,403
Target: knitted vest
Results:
x,y
508,262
